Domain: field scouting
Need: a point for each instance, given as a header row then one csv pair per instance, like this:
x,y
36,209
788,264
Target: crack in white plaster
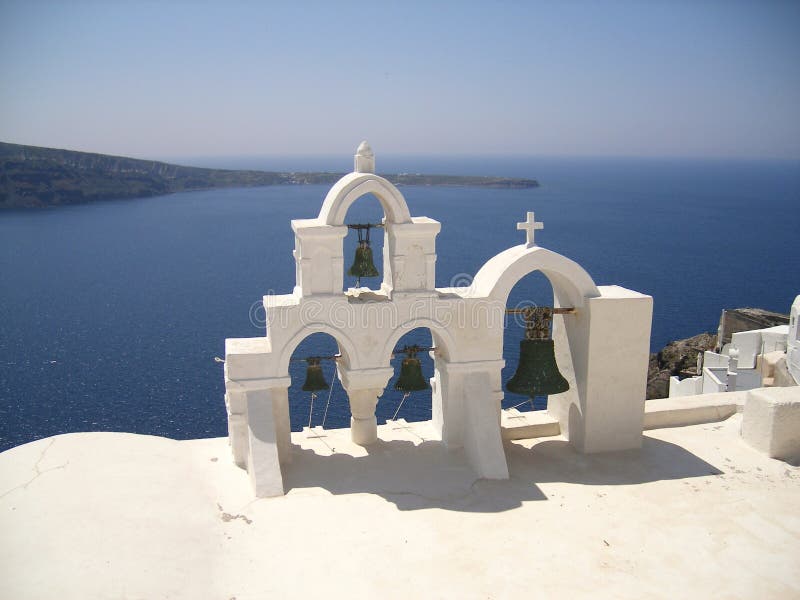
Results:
x,y
448,499
37,471
227,517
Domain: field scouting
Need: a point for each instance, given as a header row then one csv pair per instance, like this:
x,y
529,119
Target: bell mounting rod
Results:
x,y
538,320
363,225
412,350
529,309
308,358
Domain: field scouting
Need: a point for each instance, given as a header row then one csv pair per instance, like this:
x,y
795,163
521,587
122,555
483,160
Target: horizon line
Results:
x,y
168,157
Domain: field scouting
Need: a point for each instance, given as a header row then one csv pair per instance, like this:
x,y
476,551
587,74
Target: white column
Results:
x,y
449,395
363,388
609,342
410,255
363,423
236,407
269,433
446,404
258,413
319,263
466,412
483,442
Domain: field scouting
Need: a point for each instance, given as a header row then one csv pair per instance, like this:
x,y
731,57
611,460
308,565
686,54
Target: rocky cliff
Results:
x,y
676,358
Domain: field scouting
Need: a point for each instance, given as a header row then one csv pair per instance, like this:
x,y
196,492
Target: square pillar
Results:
x,y
409,254
269,434
609,343
449,393
482,439
319,259
236,407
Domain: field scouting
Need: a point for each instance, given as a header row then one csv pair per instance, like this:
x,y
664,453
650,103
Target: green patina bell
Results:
x,y
411,379
537,372
315,379
363,264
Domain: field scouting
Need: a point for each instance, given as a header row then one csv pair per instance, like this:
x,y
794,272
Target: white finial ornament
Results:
x,y
364,159
529,225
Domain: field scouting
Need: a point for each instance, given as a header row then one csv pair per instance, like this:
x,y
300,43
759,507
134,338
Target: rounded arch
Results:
x,y
351,187
346,345
442,338
571,283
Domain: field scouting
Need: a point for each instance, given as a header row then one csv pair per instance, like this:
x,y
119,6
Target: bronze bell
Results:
x,y
363,264
411,379
315,379
537,373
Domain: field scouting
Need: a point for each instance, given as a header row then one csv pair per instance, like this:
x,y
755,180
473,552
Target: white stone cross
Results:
x,y
530,226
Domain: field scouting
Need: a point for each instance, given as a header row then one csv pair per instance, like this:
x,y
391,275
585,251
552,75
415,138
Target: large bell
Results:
x,y
537,373
363,265
315,379
411,379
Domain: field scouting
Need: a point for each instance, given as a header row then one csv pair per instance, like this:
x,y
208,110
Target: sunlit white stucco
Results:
x,y
603,347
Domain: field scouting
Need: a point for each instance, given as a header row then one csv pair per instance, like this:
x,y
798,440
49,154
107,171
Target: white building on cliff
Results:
x,y
757,358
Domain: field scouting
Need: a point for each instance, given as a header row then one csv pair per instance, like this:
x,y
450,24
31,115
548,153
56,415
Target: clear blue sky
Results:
x,y
680,78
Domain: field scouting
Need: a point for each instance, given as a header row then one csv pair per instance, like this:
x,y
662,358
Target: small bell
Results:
x,y
537,373
315,379
411,379
363,263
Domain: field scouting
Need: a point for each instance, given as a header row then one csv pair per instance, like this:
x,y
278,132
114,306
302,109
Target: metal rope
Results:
x,y
311,410
521,403
328,403
394,418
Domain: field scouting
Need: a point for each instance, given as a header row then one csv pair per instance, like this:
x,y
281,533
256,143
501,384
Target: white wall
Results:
x,y
774,339
747,379
712,360
715,380
748,343
691,386
752,343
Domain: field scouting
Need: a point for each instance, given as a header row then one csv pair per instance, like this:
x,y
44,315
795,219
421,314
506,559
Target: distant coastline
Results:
x,y
35,177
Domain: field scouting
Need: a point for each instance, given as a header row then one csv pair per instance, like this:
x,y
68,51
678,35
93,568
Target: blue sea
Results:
x,y
111,314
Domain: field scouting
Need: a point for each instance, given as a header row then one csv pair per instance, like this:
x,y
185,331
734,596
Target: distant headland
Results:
x,y
33,177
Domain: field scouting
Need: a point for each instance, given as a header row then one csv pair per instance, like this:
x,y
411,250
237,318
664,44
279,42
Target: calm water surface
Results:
x,y
111,314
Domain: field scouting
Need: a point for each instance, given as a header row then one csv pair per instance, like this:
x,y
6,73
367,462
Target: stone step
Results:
x,y
516,425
